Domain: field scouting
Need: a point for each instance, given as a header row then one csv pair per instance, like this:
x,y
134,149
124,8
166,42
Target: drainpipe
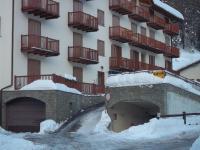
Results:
x,y
12,57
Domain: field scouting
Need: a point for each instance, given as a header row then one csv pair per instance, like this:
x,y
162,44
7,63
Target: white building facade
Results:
x,y
104,36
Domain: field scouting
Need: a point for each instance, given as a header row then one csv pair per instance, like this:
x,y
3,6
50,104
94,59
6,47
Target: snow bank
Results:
x,y
196,145
169,9
48,126
145,78
69,77
186,58
10,141
49,85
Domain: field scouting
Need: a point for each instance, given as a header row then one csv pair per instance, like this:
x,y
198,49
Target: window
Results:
x,y
134,27
143,57
101,47
115,20
100,17
152,34
152,60
167,40
143,31
77,39
135,55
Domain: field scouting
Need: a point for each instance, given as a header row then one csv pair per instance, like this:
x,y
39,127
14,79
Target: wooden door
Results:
x,y
78,73
115,20
34,27
77,6
77,39
101,78
33,70
168,65
116,51
135,55
151,62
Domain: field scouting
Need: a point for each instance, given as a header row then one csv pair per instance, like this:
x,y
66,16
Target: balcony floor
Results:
x,y
82,27
138,18
83,60
155,25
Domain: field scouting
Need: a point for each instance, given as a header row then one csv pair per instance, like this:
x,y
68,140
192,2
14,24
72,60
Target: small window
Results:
x,y
100,17
101,47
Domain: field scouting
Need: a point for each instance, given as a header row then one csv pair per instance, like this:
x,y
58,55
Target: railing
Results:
x,y
83,53
46,7
86,88
121,6
120,33
157,21
141,12
80,18
172,29
174,51
39,42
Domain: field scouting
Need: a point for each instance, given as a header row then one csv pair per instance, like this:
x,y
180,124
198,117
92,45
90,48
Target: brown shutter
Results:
x,y
115,20
116,51
100,15
34,27
77,39
101,78
135,55
101,47
34,67
78,73
152,60
77,6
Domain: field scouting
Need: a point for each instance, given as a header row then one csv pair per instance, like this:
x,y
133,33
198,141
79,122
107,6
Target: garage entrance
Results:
x,y
24,115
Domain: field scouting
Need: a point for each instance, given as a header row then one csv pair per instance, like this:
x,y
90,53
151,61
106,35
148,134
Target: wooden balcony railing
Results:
x,y
83,21
120,34
48,9
83,55
172,29
39,45
85,88
146,1
156,22
140,14
172,52
125,64
121,6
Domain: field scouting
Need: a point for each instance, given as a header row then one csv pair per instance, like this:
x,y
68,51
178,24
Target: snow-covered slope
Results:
x,y
186,58
168,8
146,78
196,145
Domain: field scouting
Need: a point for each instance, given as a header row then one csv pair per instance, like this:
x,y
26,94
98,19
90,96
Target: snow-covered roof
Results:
x,y
147,78
186,59
168,8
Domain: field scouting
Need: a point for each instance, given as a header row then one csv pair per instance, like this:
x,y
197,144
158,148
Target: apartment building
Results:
x,y
85,38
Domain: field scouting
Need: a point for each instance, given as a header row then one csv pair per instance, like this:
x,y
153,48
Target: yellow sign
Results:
x,y
159,73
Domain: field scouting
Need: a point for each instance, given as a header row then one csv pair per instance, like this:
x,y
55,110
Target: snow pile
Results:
x,y
69,77
186,58
9,141
169,9
157,128
49,85
104,122
48,126
145,78
196,145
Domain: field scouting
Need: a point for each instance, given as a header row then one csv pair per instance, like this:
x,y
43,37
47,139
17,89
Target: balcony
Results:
x,y
172,52
85,88
47,9
156,22
83,55
145,42
39,45
120,34
125,64
82,21
122,7
172,29
139,14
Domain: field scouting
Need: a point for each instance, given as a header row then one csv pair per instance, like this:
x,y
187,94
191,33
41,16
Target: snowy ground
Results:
x,y
93,134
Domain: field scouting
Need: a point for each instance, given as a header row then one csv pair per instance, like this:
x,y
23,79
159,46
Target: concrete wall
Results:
x,y
137,104
59,105
58,29
191,72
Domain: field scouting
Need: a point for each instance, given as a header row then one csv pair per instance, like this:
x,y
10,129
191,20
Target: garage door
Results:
x,y
24,115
